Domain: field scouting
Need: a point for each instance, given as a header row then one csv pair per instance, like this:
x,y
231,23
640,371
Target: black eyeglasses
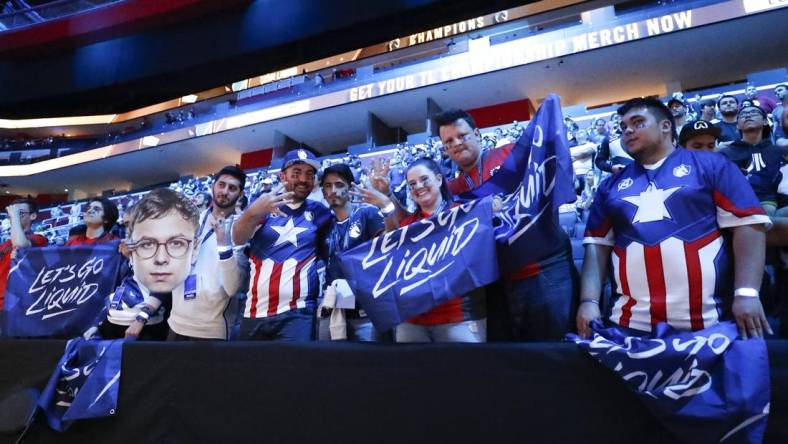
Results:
x,y
176,247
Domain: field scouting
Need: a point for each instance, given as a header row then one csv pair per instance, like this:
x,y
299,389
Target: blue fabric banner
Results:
x,y
85,383
539,170
406,272
704,386
59,291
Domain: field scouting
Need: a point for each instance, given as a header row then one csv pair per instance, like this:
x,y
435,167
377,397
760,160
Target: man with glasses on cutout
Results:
x,y
21,214
162,230
218,272
285,231
538,303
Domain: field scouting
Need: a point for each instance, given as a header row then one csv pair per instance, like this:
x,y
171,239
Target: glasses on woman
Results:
x,y
176,247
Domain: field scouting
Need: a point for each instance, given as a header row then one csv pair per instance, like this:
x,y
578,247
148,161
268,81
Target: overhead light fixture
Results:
x,y
191,98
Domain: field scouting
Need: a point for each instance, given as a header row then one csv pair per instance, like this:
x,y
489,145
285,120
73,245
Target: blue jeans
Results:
x,y
465,331
359,329
543,307
294,326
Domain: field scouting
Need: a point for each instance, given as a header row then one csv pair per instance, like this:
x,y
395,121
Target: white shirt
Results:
x,y
202,316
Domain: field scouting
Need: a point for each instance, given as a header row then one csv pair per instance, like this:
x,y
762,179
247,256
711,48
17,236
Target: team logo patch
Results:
x,y
302,154
682,170
624,184
700,124
308,215
355,231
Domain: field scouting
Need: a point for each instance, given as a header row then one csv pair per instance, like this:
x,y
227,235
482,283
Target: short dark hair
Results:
x,y
110,211
727,96
341,170
654,106
450,116
707,102
31,204
234,171
160,202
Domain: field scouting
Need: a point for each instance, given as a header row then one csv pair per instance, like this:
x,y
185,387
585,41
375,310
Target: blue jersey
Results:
x,y
670,261
364,223
283,251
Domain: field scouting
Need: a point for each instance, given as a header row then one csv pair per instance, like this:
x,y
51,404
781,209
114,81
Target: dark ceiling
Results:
x,y
144,67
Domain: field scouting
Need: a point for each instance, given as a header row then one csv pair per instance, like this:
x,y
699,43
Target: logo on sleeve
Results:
x,y
624,184
682,170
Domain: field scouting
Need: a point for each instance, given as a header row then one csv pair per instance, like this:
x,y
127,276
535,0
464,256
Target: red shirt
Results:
x,y
490,161
36,240
461,308
83,239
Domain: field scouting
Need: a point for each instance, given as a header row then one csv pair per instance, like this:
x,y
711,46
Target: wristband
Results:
x,y
388,210
142,317
225,252
746,292
593,301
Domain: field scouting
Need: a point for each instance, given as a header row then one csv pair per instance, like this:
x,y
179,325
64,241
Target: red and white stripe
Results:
x,y
277,287
673,281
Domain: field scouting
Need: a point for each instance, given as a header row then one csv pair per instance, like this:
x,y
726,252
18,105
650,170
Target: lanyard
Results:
x,y
202,227
479,173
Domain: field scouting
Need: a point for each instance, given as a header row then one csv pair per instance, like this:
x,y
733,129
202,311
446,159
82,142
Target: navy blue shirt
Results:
x,y
364,223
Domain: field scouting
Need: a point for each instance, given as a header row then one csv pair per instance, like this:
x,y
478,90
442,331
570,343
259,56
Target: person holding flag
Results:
x,y
668,224
539,276
463,318
21,213
660,222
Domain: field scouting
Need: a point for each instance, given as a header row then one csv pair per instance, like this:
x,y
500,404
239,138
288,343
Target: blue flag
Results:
x,y
539,170
85,383
704,386
407,272
59,291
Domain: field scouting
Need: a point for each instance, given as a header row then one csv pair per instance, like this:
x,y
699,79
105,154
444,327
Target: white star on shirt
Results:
x,y
651,204
288,233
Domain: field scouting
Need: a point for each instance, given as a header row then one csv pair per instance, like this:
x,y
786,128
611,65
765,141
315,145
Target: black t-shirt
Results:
x,y
760,163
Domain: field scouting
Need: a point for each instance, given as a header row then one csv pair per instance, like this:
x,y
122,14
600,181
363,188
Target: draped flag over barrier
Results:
x,y
85,383
59,291
408,271
704,386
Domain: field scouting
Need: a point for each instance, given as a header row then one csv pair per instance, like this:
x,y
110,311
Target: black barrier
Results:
x,y
376,393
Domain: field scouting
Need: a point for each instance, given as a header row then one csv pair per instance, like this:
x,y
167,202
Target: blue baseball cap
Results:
x,y
301,156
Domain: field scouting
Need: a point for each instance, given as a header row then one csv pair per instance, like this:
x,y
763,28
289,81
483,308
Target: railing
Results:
x,y
17,14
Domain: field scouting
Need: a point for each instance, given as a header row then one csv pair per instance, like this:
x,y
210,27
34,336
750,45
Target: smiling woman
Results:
x,y
462,319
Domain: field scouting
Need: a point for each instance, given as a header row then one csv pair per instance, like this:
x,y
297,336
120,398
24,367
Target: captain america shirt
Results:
x,y
670,260
283,254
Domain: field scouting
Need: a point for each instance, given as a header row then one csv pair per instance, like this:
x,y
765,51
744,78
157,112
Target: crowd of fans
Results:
x,y
289,225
